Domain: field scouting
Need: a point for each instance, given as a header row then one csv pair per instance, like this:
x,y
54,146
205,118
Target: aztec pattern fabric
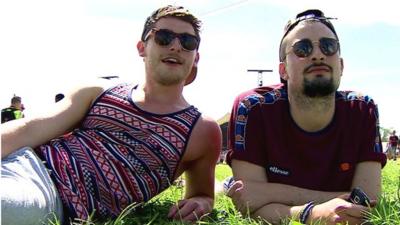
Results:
x,y
120,155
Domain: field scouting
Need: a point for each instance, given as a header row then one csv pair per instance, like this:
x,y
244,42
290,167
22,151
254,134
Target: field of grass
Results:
x,y
155,211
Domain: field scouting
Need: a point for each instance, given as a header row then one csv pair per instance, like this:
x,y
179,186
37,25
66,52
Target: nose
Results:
x,y
175,45
317,54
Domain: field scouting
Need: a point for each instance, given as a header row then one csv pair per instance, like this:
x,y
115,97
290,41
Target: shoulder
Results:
x,y
95,86
257,99
205,140
93,89
359,105
207,127
355,97
8,109
261,95
356,101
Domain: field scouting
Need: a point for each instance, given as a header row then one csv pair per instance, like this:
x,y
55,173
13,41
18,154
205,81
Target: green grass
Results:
x,y
388,209
155,212
391,178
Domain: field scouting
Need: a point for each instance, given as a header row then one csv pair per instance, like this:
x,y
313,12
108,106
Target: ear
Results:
x,y
140,47
196,60
193,71
282,71
341,66
192,75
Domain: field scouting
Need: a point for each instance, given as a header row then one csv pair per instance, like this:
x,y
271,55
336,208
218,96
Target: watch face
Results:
x,y
358,197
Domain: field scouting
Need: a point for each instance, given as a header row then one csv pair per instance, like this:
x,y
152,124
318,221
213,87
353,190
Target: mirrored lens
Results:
x,y
329,46
303,48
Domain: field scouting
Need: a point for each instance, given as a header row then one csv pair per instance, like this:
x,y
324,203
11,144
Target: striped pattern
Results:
x,y
119,155
244,108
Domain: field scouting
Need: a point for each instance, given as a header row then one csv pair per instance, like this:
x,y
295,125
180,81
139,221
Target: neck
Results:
x,y
160,99
312,114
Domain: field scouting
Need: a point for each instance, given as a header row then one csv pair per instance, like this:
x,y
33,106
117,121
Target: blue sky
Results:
x,y
47,46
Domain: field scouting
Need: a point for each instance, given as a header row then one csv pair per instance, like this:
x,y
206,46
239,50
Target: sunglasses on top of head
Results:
x,y
304,47
165,37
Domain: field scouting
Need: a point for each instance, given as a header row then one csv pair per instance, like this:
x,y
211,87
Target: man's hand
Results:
x,y
191,209
338,211
243,196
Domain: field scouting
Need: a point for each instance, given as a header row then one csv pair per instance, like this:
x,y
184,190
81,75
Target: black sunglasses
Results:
x,y
164,37
304,47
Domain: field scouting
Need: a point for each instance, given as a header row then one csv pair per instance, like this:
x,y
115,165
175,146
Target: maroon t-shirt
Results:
x,y
263,132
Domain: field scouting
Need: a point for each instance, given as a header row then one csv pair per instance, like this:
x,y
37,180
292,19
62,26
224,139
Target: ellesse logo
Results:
x,y
277,170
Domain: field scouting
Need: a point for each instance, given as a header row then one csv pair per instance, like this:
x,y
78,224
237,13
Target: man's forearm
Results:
x,y
264,193
274,213
11,136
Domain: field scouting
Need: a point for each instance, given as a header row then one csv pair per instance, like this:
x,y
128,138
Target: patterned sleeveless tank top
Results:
x,y
120,155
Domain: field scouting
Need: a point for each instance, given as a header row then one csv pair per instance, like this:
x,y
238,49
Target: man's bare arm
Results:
x,y
201,158
276,201
334,211
368,178
258,191
56,120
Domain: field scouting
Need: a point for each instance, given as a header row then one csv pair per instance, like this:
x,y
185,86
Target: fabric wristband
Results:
x,y
306,212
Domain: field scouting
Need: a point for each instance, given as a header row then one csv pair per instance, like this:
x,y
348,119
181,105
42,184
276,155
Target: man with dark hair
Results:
x,y
300,147
105,149
15,111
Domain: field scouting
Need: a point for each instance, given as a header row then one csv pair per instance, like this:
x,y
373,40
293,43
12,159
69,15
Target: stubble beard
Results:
x,y
316,94
165,77
168,79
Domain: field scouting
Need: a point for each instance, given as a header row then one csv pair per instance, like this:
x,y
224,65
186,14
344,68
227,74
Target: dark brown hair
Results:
x,y
15,99
178,12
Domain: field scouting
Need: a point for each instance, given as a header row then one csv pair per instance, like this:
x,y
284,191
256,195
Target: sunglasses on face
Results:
x,y
304,47
165,37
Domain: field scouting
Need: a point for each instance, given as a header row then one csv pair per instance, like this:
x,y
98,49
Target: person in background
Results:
x,y
15,111
392,146
106,148
300,147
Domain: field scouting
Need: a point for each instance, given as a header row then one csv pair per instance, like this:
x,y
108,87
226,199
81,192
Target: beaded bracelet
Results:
x,y
305,213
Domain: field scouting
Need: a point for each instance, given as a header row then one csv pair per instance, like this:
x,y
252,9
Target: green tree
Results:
x,y
385,133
